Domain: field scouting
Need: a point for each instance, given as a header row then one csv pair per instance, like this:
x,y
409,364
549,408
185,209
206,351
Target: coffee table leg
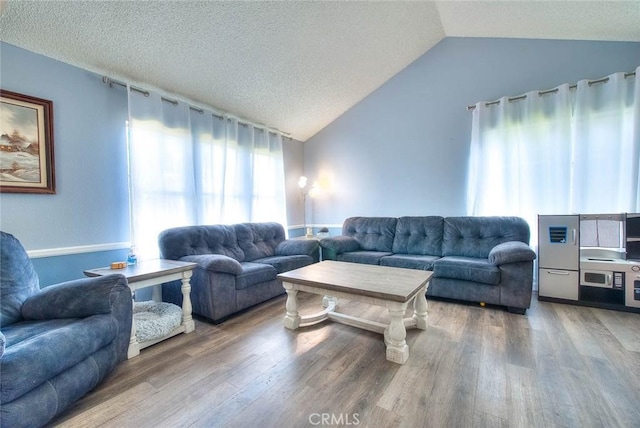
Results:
x,y
394,336
328,301
420,313
292,318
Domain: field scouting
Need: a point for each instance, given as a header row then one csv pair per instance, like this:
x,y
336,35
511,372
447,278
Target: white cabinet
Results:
x,y
557,283
558,256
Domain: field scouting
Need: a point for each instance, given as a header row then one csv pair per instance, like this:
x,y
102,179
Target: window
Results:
x,y
190,166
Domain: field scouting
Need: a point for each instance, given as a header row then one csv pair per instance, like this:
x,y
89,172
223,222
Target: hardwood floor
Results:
x,y
558,366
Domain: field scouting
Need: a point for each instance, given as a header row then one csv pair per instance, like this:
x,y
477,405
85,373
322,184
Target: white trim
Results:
x,y
80,249
301,226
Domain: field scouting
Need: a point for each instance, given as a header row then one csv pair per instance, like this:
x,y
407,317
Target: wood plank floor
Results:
x,y
558,366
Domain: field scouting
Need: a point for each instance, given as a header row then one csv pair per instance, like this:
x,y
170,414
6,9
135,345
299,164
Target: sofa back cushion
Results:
x,y
476,236
371,233
197,240
18,279
258,240
419,236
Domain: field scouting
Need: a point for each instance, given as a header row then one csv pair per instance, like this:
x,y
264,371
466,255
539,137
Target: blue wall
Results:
x,y
403,150
91,206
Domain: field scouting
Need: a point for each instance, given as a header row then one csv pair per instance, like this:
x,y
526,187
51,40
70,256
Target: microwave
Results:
x,y
602,279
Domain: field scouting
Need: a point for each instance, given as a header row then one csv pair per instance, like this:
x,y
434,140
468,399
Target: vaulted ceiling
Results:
x,y
295,66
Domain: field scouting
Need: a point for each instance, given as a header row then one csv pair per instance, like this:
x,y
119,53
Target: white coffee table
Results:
x,y
389,287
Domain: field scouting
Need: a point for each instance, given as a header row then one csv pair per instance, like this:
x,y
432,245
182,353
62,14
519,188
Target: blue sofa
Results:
x,y
478,259
237,264
58,343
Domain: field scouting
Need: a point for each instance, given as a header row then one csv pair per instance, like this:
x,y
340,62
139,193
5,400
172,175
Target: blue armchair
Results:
x,y
58,343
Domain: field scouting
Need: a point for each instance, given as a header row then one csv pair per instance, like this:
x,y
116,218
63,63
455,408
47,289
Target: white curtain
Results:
x,y
567,150
606,145
192,166
161,169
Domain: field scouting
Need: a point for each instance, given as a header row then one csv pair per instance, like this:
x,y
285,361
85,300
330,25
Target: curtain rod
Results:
x,y
549,91
108,81
240,122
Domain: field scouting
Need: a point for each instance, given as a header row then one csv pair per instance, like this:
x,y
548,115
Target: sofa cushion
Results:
x,y
18,279
196,240
259,240
366,257
476,236
409,261
286,263
467,269
254,273
372,233
419,235
61,344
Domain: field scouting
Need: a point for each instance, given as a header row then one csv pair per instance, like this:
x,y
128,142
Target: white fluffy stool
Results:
x,y
155,319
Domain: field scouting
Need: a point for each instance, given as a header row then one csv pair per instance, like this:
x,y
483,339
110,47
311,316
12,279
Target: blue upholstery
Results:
x,y
341,244
366,257
467,269
409,261
476,236
58,342
486,259
71,341
259,240
18,279
199,240
371,233
255,273
237,264
418,235
285,263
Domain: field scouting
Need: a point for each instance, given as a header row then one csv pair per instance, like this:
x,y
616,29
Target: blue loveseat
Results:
x,y
237,264
58,343
478,259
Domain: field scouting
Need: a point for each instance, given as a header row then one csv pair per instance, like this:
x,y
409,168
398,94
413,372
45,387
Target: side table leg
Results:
x,y
134,346
187,319
394,336
292,318
420,313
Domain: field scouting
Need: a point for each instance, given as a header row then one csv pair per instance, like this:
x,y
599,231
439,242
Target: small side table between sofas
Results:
x,y
155,272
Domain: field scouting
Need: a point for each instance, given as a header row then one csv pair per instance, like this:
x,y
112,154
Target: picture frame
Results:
x,y
26,144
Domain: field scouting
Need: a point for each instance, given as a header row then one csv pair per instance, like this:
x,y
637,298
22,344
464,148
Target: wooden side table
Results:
x,y
149,273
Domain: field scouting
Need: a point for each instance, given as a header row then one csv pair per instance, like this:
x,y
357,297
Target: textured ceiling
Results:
x,y
295,66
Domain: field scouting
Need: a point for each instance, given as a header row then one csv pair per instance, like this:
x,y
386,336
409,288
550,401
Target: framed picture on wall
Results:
x,y
26,144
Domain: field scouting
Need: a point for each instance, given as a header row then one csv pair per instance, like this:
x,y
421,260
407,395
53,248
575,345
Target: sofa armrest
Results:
x,y
511,252
215,263
340,244
79,298
295,247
